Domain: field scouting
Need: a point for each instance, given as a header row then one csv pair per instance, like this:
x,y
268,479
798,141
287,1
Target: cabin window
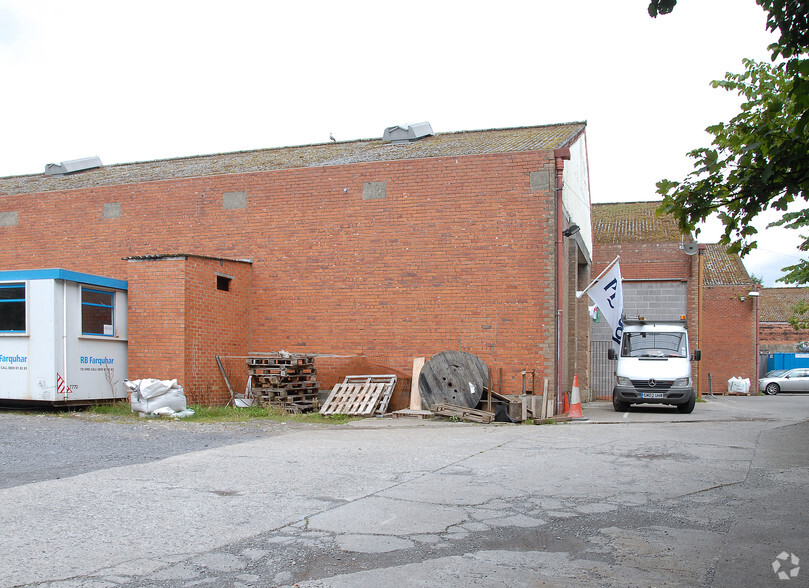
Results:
x,y
12,308
97,312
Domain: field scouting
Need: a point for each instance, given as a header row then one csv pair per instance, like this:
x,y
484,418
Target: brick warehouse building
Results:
x,y
776,333
388,249
667,275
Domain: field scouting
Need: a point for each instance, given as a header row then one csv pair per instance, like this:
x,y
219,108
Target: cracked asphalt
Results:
x,y
645,498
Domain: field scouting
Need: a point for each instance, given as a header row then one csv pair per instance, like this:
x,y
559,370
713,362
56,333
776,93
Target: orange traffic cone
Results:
x,y
575,402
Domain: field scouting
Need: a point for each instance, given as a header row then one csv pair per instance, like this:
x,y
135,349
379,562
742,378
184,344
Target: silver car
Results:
x,y
796,380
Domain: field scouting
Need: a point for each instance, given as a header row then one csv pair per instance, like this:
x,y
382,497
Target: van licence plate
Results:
x,y
652,395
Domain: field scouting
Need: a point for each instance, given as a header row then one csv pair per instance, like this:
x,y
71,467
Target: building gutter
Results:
x,y
560,156
64,339
700,253
757,358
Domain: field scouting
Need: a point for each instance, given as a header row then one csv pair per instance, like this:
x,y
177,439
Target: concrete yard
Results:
x,y
650,497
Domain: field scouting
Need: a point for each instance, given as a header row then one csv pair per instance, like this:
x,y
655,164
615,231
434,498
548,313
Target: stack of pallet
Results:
x,y
284,380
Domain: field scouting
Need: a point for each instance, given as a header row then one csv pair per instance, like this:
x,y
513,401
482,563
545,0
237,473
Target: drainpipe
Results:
x,y
757,363
700,252
560,156
64,338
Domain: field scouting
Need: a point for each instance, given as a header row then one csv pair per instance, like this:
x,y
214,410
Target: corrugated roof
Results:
x,y
775,304
720,268
632,222
320,155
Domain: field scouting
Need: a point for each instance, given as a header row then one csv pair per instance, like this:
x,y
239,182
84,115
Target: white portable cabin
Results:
x,y
63,337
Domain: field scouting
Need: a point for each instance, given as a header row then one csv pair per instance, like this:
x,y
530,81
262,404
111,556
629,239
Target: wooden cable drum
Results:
x,y
453,377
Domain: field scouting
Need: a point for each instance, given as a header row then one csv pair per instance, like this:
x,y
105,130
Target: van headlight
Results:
x,y
681,383
623,381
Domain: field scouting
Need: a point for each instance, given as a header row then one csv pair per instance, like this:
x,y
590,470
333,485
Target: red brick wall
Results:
x,y
728,341
644,261
459,254
582,365
179,321
576,340
654,261
157,320
217,323
780,338
658,261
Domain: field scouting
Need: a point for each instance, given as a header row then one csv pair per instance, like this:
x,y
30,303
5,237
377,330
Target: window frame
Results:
x,y
657,340
24,300
82,304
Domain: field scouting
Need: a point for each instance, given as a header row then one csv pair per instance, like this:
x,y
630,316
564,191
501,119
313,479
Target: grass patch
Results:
x,y
114,409
226,414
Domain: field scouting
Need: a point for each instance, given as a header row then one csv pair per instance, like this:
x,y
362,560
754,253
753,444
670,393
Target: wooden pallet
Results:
x,y
282,370
288,381
279,382
412,414
282,393
360,396
463,413
281,360
286,385
293,403
293,407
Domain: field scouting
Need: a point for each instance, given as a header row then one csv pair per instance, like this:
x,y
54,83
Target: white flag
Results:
x,y
608,294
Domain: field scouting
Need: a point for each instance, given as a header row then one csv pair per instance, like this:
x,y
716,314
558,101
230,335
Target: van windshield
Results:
x,y
654,345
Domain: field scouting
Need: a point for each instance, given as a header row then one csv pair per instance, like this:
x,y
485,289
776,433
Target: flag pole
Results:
x,y
606,269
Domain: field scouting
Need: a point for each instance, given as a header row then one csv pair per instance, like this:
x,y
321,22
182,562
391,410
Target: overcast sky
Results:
x,y
159,79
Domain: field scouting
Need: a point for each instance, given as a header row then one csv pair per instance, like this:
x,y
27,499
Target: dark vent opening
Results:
x,y
223,283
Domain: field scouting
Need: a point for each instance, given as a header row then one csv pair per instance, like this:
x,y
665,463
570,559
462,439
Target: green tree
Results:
x,y
800,316
759,160
661,7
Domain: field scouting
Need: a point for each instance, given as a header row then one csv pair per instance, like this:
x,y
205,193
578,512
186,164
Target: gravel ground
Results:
x,y
53,445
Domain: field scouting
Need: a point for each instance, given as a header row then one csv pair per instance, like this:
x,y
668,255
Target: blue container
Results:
x,y
787,361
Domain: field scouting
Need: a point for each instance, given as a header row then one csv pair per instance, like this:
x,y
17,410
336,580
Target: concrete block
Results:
x,y
374,190
8,219
111,210
231,200
540,180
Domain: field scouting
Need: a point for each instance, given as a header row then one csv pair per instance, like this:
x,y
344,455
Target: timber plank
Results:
x,y
463,413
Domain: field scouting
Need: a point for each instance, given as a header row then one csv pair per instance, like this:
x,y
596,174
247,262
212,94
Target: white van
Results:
x,y
654,366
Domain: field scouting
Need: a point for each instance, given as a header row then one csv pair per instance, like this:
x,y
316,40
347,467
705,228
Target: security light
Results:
x,y
571,230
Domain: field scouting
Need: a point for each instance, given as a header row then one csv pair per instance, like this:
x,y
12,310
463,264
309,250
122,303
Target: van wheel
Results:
x,y
618,405
688,407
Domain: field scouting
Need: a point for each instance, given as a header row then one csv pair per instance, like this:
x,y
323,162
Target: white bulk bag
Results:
x,y
149,395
